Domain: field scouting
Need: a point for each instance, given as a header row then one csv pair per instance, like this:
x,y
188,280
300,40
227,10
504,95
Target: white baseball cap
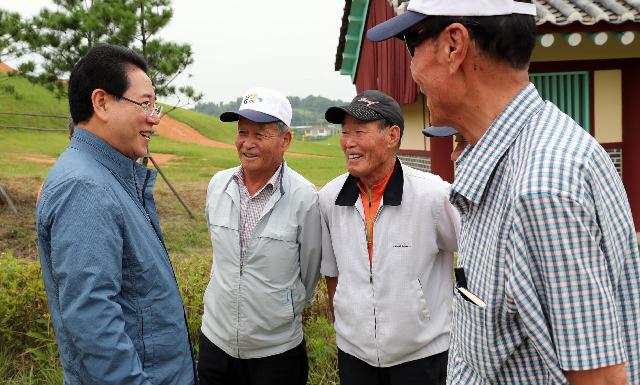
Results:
x,y
261,105
418,10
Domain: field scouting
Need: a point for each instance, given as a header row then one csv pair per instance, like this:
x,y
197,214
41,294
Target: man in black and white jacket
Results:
x,y
389,233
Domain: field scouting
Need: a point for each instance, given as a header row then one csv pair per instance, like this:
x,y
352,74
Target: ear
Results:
x,y
393,133
100,100
286,140
456,43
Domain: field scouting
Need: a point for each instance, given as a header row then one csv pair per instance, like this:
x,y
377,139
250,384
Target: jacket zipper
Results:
x,y
238,317
184,313
375,319
293,311
369,236
238,304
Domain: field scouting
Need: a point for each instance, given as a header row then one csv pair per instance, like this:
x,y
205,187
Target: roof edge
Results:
x,y
350,42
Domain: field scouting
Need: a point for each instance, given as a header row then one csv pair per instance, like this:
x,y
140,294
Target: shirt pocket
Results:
x,y
224,221
147,329
225,239
472,336
347,322
281,233
274,254
275,310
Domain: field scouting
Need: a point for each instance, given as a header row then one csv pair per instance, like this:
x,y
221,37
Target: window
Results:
x,y
567,90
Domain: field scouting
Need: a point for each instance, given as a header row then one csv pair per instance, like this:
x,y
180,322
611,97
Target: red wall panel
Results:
x,y
631,138
385,66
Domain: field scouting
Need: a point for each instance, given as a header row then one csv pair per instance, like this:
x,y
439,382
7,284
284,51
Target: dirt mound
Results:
x,y
5,68
176,130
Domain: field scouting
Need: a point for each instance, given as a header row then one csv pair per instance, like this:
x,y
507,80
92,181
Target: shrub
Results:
x,y
28,343
24,316
29,354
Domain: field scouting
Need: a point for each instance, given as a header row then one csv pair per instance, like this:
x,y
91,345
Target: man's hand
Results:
x,y
610,375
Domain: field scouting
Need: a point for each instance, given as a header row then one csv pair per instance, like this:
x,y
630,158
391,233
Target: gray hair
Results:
x,y
282,128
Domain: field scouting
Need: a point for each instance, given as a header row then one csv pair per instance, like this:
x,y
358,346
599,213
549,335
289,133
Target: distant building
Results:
x,y
320,132
315,132
586,61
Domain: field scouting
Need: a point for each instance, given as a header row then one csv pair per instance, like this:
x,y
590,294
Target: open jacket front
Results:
x,y
256,310
398,308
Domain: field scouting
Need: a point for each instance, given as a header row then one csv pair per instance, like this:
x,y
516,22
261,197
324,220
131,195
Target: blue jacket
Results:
x,y
112,293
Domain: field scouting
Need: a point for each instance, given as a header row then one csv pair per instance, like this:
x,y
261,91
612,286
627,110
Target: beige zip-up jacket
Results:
x,y
257,311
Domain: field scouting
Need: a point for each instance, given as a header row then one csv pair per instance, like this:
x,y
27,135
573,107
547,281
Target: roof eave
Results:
x,y
354,21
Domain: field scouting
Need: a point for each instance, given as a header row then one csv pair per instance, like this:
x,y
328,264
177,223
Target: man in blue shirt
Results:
x,y
548,266
112,293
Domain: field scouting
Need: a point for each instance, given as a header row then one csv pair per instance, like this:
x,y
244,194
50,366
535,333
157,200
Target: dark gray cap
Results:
x,y
368,106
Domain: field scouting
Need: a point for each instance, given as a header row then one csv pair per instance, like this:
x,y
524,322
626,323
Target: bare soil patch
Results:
x,y
37,158
161,159
176,130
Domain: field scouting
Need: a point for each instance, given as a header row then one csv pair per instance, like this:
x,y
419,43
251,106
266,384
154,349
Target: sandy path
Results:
x,y
173,129
161,159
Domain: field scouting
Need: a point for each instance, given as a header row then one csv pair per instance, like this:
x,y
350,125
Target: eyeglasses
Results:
x,y
150,109
415,36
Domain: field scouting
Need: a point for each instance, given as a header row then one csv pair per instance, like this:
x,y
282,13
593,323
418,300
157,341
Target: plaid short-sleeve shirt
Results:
x,y
548,243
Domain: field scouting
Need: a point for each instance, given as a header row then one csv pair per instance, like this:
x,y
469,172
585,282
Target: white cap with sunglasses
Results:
x,y
418,10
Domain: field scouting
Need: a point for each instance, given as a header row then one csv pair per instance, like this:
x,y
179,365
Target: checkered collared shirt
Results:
x,y
251,206
548,243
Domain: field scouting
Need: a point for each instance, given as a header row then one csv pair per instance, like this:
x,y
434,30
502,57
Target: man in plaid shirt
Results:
x,y
548,262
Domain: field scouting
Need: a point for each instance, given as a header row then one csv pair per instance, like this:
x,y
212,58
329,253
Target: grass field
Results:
x,y
28,354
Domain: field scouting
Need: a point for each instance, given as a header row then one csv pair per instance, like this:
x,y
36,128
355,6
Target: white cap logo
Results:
x,y
268,102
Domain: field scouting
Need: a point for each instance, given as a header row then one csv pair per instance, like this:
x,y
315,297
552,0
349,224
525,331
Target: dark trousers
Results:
x,y
430,370
215,367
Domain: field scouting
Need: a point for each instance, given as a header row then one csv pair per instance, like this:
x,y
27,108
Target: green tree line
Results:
x,y
307,111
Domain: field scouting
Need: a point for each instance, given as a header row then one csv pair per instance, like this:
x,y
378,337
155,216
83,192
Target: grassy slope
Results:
x,y
31,99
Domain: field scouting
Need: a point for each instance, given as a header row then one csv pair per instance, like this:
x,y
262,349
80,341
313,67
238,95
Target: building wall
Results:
x,y
608,106
631,137
416,118
385,66
618,130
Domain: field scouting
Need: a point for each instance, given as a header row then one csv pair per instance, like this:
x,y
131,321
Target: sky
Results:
x,y
287,45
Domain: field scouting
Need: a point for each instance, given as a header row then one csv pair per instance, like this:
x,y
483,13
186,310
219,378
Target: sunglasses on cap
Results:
x,y
414,36
412,39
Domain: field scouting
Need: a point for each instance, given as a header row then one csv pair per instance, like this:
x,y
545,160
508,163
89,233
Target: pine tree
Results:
x,y
60,37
